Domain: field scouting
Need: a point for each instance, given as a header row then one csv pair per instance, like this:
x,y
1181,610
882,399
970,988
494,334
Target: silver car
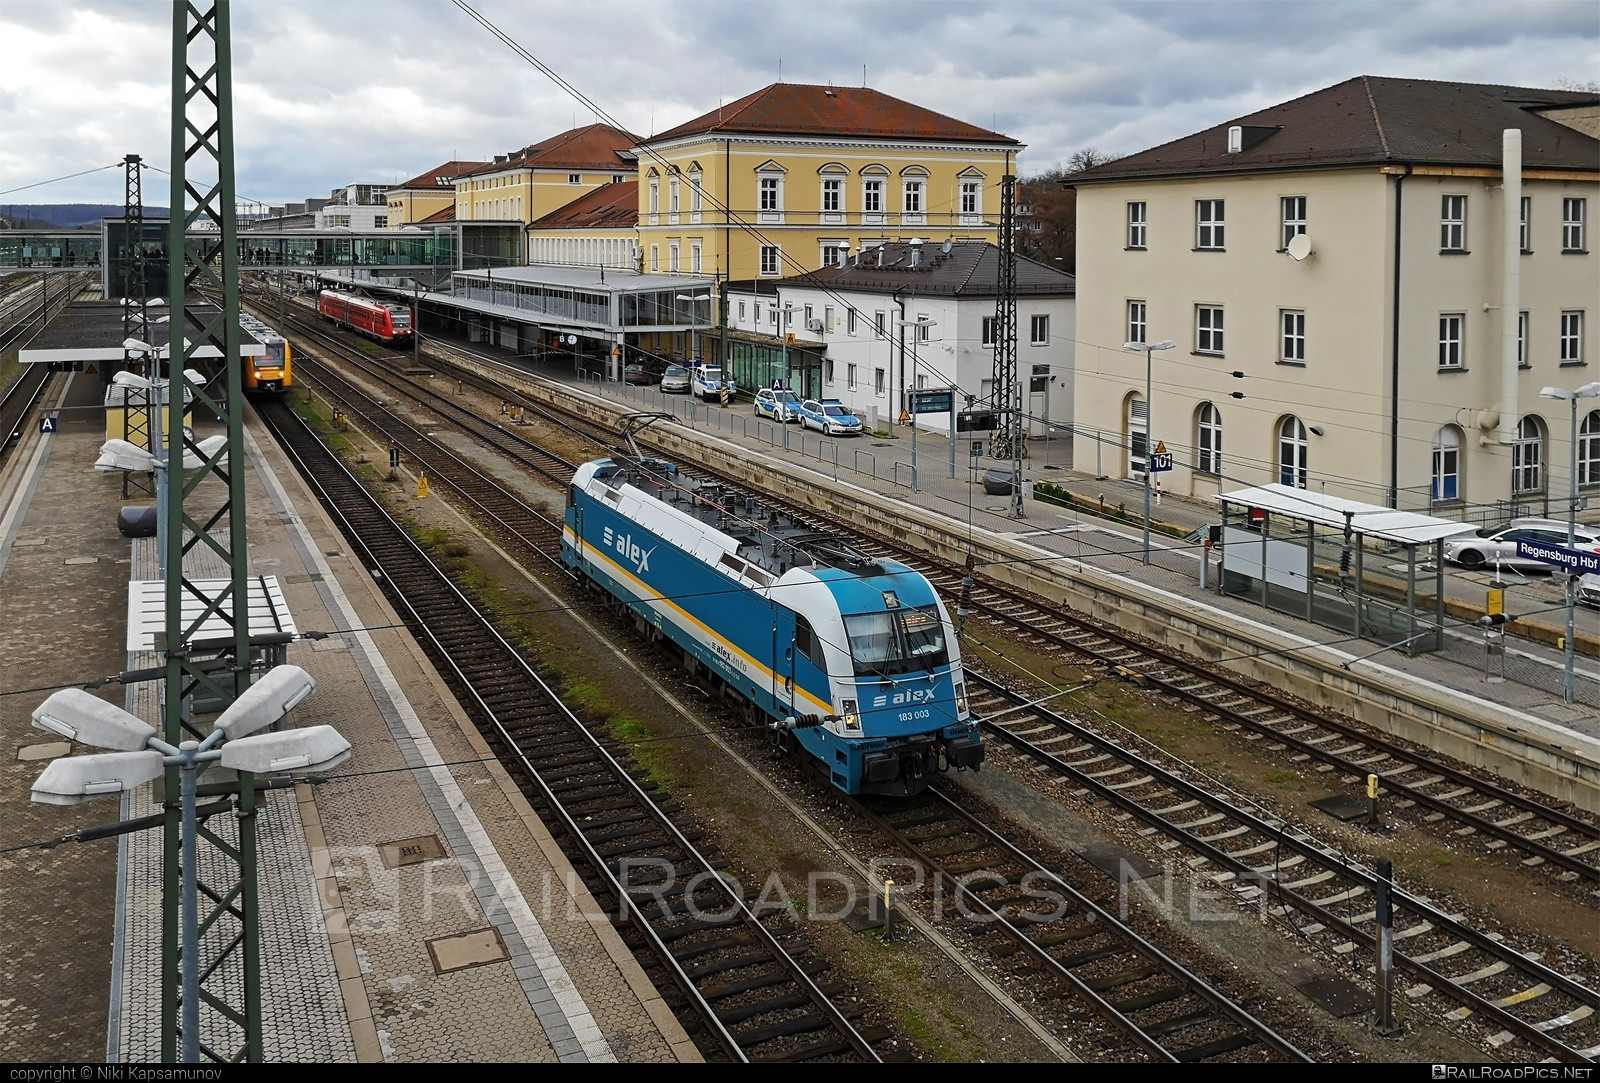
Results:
x,y
675,380
1500,548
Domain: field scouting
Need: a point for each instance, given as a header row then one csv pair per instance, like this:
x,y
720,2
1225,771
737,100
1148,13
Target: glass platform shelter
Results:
x,y
1372,572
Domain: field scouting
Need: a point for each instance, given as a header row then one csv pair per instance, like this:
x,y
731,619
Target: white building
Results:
x,y
355,206
915,315
1347,253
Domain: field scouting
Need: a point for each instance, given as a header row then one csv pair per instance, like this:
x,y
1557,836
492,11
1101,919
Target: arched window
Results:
x,y
655,193
1589,449
1292,453
1208,439
1527,457
1138,430
1446,464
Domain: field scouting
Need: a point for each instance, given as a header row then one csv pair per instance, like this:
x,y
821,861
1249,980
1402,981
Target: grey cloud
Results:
x,y
330,93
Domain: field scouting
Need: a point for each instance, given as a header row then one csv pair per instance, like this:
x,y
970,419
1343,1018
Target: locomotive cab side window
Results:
x,y
807,644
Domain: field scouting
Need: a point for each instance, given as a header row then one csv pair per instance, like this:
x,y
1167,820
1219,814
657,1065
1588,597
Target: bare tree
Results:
x,y
1567,82
1088,158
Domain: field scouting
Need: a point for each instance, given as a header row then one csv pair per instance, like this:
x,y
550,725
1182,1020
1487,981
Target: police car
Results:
x,y
778,404
706,382
829,416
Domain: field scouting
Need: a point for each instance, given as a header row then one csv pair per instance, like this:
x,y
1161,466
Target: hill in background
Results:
x,y
65,215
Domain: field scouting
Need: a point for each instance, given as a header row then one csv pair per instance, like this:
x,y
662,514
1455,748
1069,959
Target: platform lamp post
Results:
x,y
1149,414
138,756
1587,391
694,321
911,401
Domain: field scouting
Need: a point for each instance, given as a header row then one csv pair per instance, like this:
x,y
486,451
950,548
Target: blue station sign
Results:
x,y
1578,561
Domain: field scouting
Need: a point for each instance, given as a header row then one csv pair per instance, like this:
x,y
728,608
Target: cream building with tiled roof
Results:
x,y
1373,349
528,184
426,194
792,177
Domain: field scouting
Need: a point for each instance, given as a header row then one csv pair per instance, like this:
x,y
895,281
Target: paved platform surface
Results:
x,y
1533,671
488,948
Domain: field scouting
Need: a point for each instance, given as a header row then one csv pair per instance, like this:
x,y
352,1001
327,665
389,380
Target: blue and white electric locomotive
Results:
x,y
854,660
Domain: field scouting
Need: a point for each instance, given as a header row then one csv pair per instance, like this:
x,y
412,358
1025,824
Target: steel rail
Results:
x,y
483,627
1097,913
1193,694
1311,851
1155,656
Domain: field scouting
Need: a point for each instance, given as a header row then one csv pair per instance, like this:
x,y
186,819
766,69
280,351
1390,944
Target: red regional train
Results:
x,y
383,321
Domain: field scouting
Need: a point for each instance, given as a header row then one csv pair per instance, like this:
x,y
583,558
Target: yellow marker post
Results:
x,y
1495,604
1372,799
888,909
422,486
722,393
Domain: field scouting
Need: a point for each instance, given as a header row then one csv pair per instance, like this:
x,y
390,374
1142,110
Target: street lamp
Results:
x,y
694,321
1587,391
1149,416
140,756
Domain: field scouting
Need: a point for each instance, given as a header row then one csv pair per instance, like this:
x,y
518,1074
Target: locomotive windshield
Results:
x,y
897,641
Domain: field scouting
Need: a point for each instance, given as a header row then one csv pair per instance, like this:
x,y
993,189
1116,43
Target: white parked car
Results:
x,y
777,405
1500,548
706,382
829,416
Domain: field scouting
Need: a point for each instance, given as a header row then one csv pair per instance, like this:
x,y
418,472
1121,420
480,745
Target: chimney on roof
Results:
x,y
916,252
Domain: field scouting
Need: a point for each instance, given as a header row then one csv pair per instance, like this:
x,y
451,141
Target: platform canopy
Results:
x,y
1371,520
147,610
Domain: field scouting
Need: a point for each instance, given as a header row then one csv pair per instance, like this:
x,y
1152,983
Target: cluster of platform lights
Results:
x,y
137,756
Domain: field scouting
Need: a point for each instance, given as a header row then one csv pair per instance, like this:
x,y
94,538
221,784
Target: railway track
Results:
x,y
739,972
1448,800
23,311
1285,871
1520,998
18,402
1179,1018
1168,1013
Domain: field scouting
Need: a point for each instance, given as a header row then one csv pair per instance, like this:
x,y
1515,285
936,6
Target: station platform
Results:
x,y
414,908
1532,671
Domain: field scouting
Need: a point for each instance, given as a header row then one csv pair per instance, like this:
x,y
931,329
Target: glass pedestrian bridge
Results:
x,y
431,253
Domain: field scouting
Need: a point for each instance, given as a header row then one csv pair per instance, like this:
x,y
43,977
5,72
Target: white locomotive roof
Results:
x,y
684,531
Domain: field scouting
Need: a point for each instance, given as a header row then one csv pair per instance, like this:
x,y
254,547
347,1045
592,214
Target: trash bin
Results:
x,y
997,481
137,521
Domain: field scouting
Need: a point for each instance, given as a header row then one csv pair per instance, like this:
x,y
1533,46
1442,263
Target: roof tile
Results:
x,y
1373,120
801,109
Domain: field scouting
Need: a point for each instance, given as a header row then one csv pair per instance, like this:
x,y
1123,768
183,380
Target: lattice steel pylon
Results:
x,y
135,319
1011,434
211,942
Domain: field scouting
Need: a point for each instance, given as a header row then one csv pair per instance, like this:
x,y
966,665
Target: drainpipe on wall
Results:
x,y
1394,353
900,328
1511,281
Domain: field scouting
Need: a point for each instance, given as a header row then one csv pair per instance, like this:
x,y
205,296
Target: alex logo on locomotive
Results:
x,y
634,554
852,662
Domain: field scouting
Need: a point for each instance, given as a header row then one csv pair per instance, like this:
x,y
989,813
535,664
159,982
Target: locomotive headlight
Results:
x,y
961,700
852,717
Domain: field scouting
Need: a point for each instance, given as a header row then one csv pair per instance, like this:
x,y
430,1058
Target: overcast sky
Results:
x,y
334,93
